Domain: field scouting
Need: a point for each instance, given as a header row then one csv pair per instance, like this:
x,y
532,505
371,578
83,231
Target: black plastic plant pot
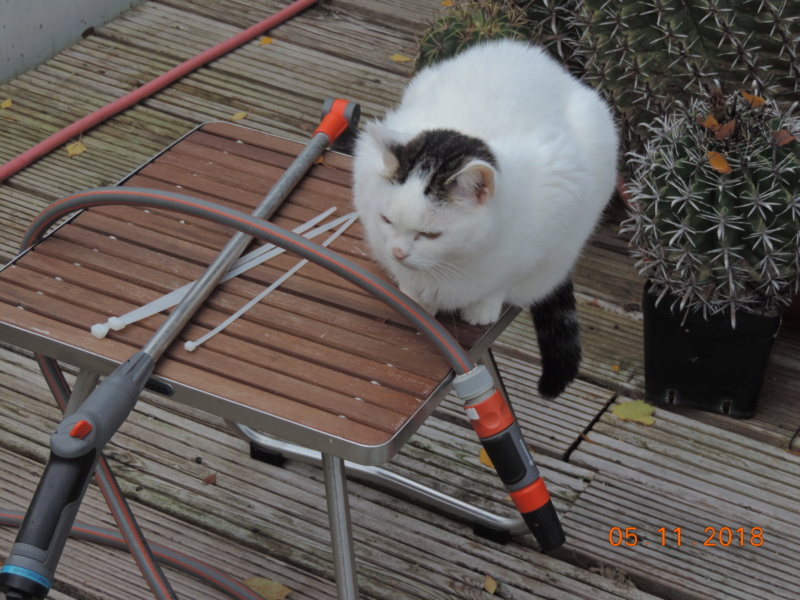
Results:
x,y
705,364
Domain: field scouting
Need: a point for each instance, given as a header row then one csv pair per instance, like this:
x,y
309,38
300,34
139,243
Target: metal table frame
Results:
x,y
307,444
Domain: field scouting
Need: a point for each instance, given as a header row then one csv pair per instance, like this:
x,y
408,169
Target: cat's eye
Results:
x,y
431,235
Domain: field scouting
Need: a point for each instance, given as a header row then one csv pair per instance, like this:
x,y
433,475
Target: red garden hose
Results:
x,y
148,89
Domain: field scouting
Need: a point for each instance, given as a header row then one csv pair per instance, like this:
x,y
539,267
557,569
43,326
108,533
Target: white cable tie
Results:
x,y
99,330
192,345
258,256
244,263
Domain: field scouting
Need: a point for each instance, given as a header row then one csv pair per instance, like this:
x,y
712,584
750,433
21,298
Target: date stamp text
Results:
x,y
712,536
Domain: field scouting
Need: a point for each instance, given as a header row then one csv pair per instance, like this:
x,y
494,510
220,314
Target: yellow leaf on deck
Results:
x,y
718,163
638,411
615,368
265,41
239,116
484,459
269,590
6,103
76,148
401,58
447,3
490,585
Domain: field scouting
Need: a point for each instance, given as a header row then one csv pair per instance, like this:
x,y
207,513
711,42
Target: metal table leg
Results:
x,y
488,361
84,385
395,482
341,527
390,481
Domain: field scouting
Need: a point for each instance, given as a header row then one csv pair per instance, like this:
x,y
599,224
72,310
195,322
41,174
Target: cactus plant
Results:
x,y
715,213
556,29
468,23
643,54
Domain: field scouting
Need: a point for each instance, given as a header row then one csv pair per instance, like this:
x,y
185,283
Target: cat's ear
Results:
x,y
474,182
387,139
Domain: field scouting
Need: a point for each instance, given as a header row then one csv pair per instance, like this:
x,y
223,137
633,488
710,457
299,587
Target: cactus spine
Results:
x,y
715,216
556,29
643,54
468,23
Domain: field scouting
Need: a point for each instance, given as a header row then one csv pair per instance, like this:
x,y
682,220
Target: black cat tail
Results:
x,y
558,334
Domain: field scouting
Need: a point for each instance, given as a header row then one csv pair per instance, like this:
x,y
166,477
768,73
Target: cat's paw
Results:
x,y
483,312
560,367
551,385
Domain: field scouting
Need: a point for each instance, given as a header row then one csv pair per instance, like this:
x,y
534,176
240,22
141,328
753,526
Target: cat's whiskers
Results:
x,y
447,274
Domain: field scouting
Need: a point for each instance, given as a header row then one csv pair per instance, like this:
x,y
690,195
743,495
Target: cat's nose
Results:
x,y
399,253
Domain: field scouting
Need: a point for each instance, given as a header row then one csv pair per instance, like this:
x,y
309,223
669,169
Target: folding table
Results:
x,y
318,362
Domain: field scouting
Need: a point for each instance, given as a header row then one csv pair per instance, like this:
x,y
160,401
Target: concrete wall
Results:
x,y
31,31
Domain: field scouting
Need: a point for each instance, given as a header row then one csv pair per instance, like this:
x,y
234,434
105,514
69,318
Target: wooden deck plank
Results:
x,y
137,248
552,427
44,99
612,355
162,457
87,568
681,473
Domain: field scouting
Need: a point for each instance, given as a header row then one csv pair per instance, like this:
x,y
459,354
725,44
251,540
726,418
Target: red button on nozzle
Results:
x,y
81,429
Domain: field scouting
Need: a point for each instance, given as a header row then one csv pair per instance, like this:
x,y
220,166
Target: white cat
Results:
x,y
482,187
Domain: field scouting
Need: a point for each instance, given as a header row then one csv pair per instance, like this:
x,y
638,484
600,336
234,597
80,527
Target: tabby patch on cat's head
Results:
x,y
453,166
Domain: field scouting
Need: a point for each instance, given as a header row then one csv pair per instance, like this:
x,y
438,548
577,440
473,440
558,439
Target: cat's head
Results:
x,y
430,193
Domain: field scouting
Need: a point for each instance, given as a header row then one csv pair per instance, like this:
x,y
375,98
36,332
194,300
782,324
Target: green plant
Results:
x,y
549,23
715,205
644,54
556,29
468,23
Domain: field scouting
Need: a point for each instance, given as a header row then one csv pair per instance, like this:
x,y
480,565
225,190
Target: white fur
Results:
x,y
556,147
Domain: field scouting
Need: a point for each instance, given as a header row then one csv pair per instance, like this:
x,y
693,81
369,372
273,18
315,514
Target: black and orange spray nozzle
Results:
x,y
498,430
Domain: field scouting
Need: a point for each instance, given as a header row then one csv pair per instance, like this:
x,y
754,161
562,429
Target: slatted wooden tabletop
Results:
x,y
318,352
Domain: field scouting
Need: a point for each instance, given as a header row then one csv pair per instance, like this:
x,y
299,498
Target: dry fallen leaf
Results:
x,y
320,160
725,131
210,479
400,58
484,459
718,163
239,116
709,123
6,103
637,411
447,3
615,368
490,585
76,148
269,590
755,101
782,137
264,41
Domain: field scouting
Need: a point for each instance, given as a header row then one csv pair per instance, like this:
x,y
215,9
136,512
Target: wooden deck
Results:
x,y
689,470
